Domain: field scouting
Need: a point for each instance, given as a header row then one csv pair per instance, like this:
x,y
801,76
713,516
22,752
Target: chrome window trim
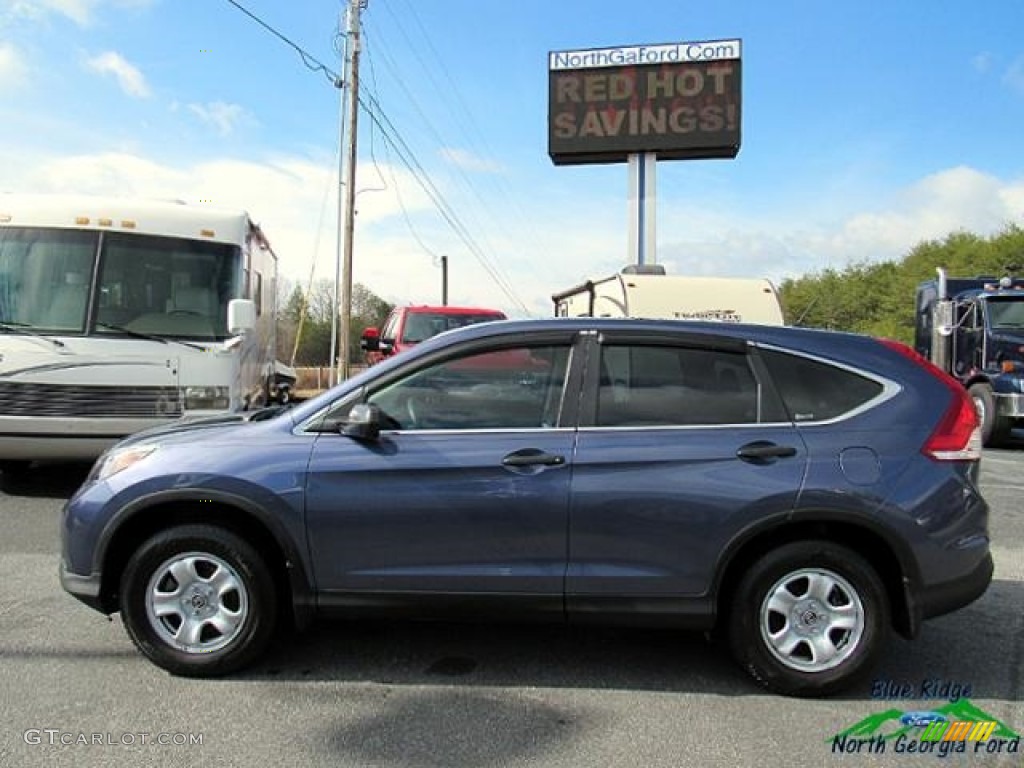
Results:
x,y
691,427
889,387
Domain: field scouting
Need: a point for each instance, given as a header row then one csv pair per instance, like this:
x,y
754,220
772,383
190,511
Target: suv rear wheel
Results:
x,y
198,601
808,618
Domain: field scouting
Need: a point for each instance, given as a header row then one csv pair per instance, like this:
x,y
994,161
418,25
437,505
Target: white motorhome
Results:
x,y
646,291
117,315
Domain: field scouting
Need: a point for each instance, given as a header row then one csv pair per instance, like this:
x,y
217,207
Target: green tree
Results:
x,y
307,317
878,298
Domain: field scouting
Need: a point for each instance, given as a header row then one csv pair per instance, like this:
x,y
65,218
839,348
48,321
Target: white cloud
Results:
x,y
13,69
222,116
952,200
1014,75
128,75
107,173
295,199
467,161
79,11
82,12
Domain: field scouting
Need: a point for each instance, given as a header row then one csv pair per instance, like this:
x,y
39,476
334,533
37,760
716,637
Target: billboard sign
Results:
x,y
679,100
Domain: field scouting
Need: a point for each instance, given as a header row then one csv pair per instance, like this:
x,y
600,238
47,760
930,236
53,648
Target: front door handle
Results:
x,y
530,457
760,451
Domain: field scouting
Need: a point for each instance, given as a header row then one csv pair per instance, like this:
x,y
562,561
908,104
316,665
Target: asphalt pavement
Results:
x,y
76,693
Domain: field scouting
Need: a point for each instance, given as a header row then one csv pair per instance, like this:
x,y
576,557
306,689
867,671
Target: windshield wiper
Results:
x,y
140,335
12,327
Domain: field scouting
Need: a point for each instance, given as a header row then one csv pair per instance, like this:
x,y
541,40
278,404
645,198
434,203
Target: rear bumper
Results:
x,y
947,596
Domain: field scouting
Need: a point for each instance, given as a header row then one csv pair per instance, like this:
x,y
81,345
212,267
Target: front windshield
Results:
x,y
148,285
163,286
1006,313
44,278
420,326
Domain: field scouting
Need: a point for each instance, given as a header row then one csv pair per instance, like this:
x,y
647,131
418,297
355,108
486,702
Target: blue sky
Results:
x,y
867,127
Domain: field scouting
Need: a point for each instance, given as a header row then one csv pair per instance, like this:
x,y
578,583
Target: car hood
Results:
x,y
207,428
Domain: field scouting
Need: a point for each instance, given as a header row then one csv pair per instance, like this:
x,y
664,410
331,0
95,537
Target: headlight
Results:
x,y
116,460
207,398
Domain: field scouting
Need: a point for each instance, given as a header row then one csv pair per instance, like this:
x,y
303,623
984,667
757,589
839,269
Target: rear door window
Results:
x,y
664,385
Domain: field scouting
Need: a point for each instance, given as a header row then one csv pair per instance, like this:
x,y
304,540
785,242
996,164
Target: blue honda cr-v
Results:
x,y
800,492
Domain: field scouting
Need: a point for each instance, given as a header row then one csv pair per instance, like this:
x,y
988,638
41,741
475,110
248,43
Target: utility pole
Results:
x,y
352,82
332,367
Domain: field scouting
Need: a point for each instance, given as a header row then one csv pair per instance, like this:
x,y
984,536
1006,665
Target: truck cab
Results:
x,y
973,328
408,326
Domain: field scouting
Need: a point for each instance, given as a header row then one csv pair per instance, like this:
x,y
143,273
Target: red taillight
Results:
x,y
957,437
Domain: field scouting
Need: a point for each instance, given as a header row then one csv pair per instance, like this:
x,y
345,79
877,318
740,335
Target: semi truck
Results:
x,y
647,291
973,328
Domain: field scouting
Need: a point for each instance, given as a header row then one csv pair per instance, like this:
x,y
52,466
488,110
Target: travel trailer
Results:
x,y
646,291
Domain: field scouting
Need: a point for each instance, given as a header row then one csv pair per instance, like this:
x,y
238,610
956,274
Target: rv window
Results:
x,y
45,276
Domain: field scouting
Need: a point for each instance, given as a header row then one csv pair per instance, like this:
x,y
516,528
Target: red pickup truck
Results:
x,y
407,326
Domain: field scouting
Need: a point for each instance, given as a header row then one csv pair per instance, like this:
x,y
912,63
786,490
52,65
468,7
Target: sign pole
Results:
x,y
643,198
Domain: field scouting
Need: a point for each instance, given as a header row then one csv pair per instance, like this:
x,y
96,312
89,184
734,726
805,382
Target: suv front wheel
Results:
x,y
198,601
808,618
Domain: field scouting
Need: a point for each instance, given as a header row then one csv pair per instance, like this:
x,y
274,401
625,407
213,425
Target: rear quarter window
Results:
x,y
813,390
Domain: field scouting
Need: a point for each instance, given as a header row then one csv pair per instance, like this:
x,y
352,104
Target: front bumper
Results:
x,y
85,588
1010,405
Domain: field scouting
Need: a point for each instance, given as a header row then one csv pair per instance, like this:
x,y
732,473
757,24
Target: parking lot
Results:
x,y
75,692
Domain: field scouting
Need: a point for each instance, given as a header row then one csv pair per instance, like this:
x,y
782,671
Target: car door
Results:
x,y
466,491
682,445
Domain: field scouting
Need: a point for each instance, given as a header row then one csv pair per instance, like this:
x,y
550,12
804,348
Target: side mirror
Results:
x,y
241,316
363,422
370,340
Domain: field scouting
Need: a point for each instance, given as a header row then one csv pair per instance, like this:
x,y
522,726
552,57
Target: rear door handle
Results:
x,y
762,450
530,457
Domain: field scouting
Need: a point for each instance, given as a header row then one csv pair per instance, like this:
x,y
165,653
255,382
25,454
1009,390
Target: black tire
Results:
x,y
995,430
848,590
225,599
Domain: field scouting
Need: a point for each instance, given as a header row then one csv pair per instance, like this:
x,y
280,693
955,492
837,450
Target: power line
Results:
x,y
495,182
311,62
407,156
394,178
393,136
